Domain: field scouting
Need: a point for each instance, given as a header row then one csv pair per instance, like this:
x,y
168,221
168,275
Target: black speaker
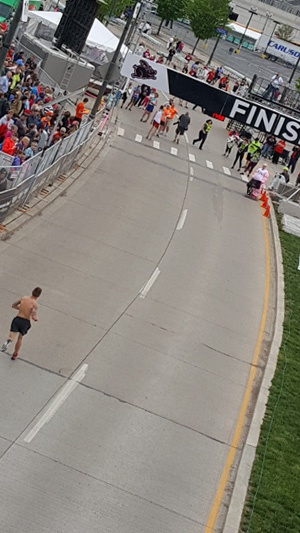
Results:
x,y
76,22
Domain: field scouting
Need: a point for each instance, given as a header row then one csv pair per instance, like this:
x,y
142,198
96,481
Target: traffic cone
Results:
x,y
265,203
267,212
263,197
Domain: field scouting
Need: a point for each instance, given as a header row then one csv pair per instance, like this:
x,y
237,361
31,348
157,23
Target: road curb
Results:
x,y
61,184
236,505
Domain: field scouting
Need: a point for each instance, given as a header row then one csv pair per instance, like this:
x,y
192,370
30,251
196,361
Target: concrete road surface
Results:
x,y
152,268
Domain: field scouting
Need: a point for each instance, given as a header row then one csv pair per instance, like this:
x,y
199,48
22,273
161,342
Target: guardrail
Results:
x,y
42,169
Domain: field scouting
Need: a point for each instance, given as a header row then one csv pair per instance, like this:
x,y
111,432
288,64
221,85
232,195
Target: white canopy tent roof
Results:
x,y
251,34
99,36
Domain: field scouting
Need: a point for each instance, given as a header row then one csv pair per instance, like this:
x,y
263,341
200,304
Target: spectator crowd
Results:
x,y
30,120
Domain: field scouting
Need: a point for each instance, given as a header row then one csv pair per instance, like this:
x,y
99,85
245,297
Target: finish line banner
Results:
x,y
216,103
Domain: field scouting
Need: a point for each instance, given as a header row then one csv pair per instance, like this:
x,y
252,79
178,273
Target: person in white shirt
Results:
x,y
156,123
273,86
170,42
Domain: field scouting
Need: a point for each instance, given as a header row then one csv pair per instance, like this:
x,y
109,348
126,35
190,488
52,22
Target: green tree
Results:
x,y
285,32
206,16
112,7
171,10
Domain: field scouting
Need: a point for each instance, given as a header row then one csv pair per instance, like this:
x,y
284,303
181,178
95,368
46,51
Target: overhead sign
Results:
x,y
214,101
222,31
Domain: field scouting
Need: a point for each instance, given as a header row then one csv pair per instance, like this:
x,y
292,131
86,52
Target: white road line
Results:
x,y
58,401
138,138
209,164
227,171
156,145
186,137
121,132
192,158
245,178
174,151
191,171
191,178
144,290
182,220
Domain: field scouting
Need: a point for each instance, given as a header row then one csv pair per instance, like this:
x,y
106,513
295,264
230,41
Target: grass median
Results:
x,y
273,500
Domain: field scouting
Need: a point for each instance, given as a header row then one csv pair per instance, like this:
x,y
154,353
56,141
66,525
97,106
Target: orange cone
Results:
x,y
265,203
267,212
263,197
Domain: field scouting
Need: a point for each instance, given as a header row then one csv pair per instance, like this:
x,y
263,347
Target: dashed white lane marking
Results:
x,y
227,171
192,158
144,291
138,138
209,164
58,401
174,151
192,171
245,178
182,220
156,145
121,132
186,137
191,178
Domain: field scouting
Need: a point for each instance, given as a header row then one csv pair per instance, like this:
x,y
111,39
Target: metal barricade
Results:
x,y
42,169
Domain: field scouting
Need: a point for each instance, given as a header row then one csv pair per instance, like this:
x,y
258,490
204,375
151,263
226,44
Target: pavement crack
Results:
x,y
121,400
100,480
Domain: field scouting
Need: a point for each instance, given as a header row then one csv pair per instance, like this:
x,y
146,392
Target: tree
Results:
x,y
206,16
170,10
112,7
285,32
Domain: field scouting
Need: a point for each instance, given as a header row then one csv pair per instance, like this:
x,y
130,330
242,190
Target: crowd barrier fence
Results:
x,y
41,170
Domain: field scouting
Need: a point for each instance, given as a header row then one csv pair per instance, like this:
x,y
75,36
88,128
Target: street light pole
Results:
x,y
274,29
252,11
268,16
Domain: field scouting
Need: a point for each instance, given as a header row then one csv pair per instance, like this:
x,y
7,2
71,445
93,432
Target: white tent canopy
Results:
x,y
251,34
99,36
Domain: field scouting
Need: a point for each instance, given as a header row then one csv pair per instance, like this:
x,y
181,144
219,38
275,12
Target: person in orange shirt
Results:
x,y
172,113
80,110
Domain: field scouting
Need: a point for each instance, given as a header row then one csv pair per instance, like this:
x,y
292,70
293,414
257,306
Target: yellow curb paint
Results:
x,y
214,511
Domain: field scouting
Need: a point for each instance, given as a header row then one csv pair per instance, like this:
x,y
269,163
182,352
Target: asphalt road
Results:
x,y
246,62
152,296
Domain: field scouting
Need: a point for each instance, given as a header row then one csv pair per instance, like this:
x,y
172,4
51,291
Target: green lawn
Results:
x,y
273,501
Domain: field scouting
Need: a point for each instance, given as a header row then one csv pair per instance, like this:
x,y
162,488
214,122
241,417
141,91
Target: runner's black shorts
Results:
x,y
20,325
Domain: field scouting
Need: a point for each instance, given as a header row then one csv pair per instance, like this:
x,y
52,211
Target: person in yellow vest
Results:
x,y
203,133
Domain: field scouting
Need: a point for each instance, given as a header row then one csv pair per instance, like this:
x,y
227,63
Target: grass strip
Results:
x,y
273,499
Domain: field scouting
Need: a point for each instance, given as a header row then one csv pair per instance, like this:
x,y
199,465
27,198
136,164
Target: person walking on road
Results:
x,y
27,310
149,107
182,126
239,156
156,123
253,147
269,144
278,151
203,133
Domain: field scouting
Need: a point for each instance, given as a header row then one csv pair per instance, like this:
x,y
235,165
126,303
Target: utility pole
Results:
x,y
8,37
252,11
213,50
113,62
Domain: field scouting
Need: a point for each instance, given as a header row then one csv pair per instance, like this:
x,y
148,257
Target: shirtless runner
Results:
x,y
27,307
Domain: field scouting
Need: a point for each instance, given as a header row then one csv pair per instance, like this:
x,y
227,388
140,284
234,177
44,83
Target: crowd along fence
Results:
x,y
18,184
